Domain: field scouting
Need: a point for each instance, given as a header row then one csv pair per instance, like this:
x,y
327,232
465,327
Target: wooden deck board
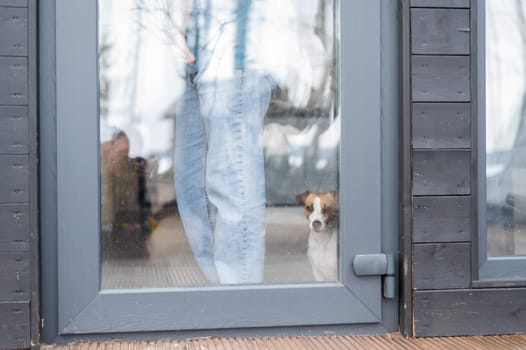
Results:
x,y
383,341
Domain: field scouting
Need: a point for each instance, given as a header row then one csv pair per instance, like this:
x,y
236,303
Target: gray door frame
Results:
x,y
73,303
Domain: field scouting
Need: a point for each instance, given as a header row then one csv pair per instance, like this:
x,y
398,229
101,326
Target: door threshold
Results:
x,y
392,341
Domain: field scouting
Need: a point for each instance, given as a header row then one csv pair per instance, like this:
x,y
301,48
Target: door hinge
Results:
x,y
377,265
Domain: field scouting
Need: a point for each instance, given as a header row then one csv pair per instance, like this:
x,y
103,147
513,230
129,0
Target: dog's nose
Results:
x,y
316,224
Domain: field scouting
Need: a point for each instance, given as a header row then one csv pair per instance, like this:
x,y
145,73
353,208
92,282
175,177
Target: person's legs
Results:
x,y
189,174
235,180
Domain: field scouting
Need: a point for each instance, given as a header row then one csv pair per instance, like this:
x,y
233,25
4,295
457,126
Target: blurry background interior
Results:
x,y
143,241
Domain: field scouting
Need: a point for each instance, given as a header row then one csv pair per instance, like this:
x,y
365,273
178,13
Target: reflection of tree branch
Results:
x,y
168,26
164,17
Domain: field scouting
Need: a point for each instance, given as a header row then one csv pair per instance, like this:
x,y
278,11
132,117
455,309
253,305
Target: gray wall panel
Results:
x,y
13,31
14,130
14,175
440,31
441,125
14,325
441,265
440,78
470,312
14,87
14,229
442,172
441,219
14,276
440,3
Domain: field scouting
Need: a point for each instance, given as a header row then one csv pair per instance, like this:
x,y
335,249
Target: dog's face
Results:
x,y
321,209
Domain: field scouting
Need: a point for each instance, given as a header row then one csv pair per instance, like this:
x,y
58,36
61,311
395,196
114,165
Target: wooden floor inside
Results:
x,y
170,262
381,342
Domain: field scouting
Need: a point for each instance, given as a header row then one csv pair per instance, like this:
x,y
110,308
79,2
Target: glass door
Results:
x,y
219,163
501,130
218,120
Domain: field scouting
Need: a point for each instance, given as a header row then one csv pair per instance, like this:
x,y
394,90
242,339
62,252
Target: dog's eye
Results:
x,y
327,210
310,208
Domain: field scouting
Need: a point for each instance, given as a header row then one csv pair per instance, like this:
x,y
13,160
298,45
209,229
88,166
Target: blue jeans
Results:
x,y
219,175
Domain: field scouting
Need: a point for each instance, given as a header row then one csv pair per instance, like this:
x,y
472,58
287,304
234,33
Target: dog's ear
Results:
x,y
334,195
301,198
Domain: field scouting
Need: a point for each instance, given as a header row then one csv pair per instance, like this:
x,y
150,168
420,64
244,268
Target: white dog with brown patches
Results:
x,y
321,209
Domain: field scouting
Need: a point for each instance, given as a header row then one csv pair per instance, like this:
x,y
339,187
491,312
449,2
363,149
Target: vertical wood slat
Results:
x,y
34,228
14,172
441,219
13,31
14,130
14,229
440,31
440,78
406,268
14,176
441,3
406,308
442,138
14,87
441,172
441,125
14,276
441,265
14,325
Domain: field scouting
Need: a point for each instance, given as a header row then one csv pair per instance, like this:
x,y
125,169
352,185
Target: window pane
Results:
x,y
505,128
219,133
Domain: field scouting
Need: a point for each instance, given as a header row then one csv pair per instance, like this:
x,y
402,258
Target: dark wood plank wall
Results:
x,y
442,112
441,148
18,195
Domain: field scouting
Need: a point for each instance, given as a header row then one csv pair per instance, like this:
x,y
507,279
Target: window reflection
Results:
x,y
505,129
127,218
183,201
